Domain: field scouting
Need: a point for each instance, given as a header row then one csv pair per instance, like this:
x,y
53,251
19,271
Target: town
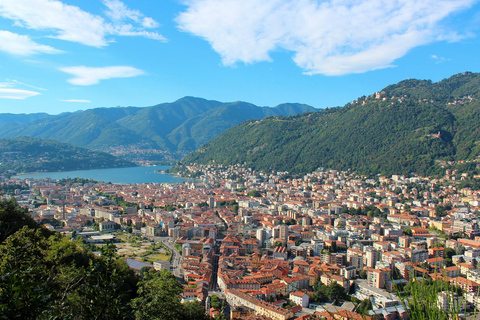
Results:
x,y
248,244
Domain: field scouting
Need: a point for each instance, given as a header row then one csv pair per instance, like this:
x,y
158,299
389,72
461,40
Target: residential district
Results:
x,y
264,243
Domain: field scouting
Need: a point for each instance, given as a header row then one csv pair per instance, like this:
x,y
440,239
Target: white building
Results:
x,y
299,298
451,302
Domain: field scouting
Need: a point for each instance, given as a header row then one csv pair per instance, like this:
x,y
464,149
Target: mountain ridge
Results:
x,y
177,127
406,127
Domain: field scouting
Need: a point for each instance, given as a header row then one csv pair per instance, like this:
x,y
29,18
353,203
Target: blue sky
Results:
x,y
63,56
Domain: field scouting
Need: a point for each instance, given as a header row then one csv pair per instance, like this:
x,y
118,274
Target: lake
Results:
x,y
115,175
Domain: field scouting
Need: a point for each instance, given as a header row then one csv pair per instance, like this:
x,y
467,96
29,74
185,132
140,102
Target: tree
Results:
x,y
50,276
425,265
407,232
158,296
319,294
460,250
235,208
449,253
215,302
107,288
333,247
254,193
12,219
193,310
441,211
291,222
24,287
362,274
336,292
220,316
364,307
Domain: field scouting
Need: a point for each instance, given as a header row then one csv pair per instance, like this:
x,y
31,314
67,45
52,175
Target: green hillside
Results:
x,y
208,125
404,129
27,154
178,127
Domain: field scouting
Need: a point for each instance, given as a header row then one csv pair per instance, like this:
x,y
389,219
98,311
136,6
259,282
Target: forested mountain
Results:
x,y
177,127
407,127
25,154
11,118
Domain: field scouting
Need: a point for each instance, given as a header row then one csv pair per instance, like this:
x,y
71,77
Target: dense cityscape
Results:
x,y
247,244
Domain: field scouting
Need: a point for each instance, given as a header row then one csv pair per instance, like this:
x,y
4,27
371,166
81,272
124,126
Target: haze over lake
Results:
x,y
116,175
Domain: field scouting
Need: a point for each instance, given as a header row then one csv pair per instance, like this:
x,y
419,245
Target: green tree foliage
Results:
x,y
49,275
364,307
44,275
193,310
333,291
235,208
220,316
12,219
336,292
158,296
441,211
254,193
472,184
362,274
203,204
215,302
290,222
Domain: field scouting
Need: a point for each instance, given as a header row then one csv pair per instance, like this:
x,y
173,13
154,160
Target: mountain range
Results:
x,y
412,126
176,128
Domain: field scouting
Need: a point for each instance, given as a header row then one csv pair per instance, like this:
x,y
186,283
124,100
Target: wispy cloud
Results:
x,y
119,12
9,90
22,45
70,23
16,82
17,94
332,37
77,100
438,59
85,76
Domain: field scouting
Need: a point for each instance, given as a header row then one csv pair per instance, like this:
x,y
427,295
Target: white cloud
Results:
x,y
438,59
70,23
331,37
85,76
22,45
17,94
76,100
118,11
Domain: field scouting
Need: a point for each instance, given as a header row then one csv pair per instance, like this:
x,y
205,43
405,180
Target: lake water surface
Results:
x,y
116,175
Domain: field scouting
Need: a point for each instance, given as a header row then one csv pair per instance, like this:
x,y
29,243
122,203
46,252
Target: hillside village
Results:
x,y
265,243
